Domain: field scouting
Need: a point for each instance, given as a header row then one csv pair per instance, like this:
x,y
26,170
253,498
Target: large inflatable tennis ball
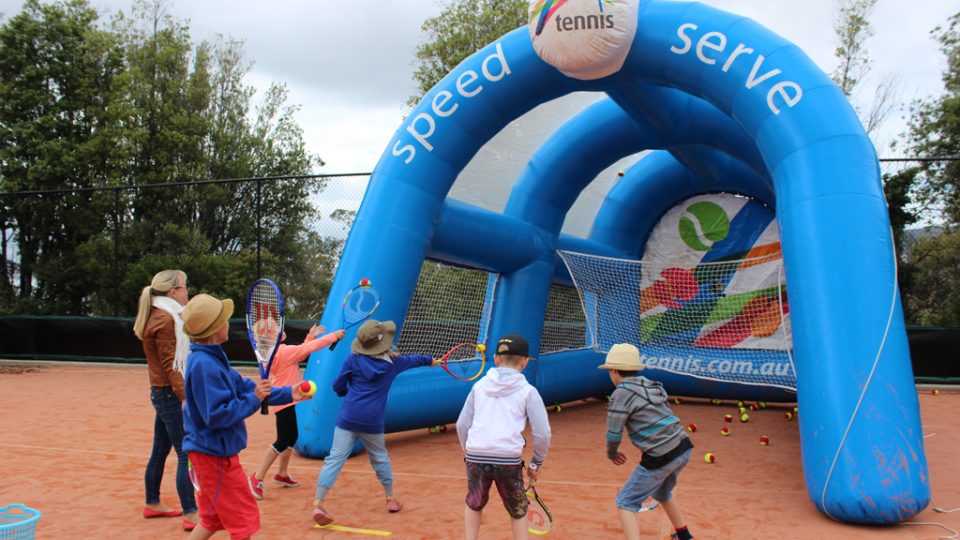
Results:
x,y
584,39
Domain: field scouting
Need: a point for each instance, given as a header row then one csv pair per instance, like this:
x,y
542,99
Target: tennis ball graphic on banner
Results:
x,y
704,223
584,39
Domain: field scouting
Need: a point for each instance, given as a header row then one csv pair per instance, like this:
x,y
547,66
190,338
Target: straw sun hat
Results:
x,y
204,315
623,357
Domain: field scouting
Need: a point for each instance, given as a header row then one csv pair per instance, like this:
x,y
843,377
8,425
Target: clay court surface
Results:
x,y
74,440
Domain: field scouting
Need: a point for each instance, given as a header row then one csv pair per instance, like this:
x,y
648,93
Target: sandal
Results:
x,y
393,505
321,517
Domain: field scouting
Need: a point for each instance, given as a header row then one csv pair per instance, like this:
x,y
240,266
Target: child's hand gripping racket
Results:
x,y
265,318
358,305
539,518
465,361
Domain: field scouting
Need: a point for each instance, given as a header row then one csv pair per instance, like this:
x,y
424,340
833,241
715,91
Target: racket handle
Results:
x,y
334,345
264,409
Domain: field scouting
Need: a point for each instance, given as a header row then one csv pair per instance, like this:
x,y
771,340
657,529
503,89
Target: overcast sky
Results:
x,y
349,65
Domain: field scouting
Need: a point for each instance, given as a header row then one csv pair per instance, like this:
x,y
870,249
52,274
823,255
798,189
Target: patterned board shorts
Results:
x,y
509,481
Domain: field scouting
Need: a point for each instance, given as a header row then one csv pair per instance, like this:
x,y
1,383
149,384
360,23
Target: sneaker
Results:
x,y
285,481
256,486
321,517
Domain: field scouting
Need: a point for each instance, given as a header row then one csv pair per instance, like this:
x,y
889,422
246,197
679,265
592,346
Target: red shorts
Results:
x,y
224,499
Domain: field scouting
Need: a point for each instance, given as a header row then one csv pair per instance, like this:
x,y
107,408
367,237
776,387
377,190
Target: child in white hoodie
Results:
x,y
490,428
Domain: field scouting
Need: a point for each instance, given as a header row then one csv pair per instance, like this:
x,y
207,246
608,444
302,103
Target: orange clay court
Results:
x,y
75,441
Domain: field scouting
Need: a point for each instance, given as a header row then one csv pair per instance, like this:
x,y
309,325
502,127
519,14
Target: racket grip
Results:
x,y
334,345
264,409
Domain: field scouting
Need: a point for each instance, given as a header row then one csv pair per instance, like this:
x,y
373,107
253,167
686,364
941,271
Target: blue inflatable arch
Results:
x,y
767,122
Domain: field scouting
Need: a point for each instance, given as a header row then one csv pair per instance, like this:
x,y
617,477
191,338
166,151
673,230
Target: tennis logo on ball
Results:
x,y
584,39
704,224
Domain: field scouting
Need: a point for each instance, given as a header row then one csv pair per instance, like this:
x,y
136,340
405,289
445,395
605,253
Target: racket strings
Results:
x,y
360,303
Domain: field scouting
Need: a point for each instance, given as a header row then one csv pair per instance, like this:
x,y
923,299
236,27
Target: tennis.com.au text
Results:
x,y
445,103
711,48
696,366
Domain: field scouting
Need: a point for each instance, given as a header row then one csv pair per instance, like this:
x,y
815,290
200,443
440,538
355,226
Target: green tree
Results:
x,y
460,30
853,30
58,78
931,283
141,104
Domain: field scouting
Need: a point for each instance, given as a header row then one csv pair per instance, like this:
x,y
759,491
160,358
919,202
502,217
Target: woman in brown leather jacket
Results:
x,y
160,328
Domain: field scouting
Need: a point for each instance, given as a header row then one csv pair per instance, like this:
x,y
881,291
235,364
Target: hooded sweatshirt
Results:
x,y
218,399
640,405
491,423
365,381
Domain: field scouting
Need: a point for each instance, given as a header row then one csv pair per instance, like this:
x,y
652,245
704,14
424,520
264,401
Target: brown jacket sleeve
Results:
x,y
160,347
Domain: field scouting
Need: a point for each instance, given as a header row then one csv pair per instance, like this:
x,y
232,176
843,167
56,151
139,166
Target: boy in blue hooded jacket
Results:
x,y
217,401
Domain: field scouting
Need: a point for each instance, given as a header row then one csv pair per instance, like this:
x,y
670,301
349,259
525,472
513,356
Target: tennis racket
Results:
x,y
358,305
465,361
264,325
539,518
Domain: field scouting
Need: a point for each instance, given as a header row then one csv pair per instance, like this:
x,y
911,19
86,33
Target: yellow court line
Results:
x,y
372,532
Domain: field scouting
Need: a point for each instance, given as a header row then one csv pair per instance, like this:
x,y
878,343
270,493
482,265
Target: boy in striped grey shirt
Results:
x,y
640,405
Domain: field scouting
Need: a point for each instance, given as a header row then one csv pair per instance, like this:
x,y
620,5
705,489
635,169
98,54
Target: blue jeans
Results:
x,y
656,483
167,433
343,442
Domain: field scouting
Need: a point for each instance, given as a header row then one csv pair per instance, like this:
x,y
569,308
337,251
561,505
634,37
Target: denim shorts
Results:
x,y
657,483
509,481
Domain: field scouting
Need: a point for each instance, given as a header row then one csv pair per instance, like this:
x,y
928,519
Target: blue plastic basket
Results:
x,y
18,522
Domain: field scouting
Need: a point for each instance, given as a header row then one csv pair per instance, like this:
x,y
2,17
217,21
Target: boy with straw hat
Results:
x,y
218,399
640,405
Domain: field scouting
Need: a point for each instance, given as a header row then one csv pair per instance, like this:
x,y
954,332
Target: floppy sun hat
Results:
x,y
374,337
204,315
623,357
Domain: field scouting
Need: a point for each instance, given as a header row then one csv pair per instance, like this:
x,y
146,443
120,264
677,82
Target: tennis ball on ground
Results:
x,y
443,428
764,440
754,406
740,404
743,410
788,415
763,404
557,407
725,432
691,428
935,391
677,401
744,417
709,458
433,429
728,418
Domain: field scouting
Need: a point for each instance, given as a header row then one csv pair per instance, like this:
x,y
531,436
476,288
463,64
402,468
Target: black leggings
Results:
x,y
286,429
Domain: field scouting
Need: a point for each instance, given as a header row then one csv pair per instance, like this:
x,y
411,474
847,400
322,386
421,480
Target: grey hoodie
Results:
x,y
491,423
640,405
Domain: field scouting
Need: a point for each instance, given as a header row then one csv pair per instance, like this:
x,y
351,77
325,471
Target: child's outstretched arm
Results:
x,y
616,419
540,429
342,382
464,421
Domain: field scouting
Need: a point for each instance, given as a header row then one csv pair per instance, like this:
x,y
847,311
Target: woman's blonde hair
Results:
x,y
163,282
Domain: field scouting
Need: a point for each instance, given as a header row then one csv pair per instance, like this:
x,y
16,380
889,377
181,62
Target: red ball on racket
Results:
x,y
364,282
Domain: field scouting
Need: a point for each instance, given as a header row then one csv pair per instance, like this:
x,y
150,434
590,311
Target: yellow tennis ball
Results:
x,y
481,348
313,389
744,417
709,458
